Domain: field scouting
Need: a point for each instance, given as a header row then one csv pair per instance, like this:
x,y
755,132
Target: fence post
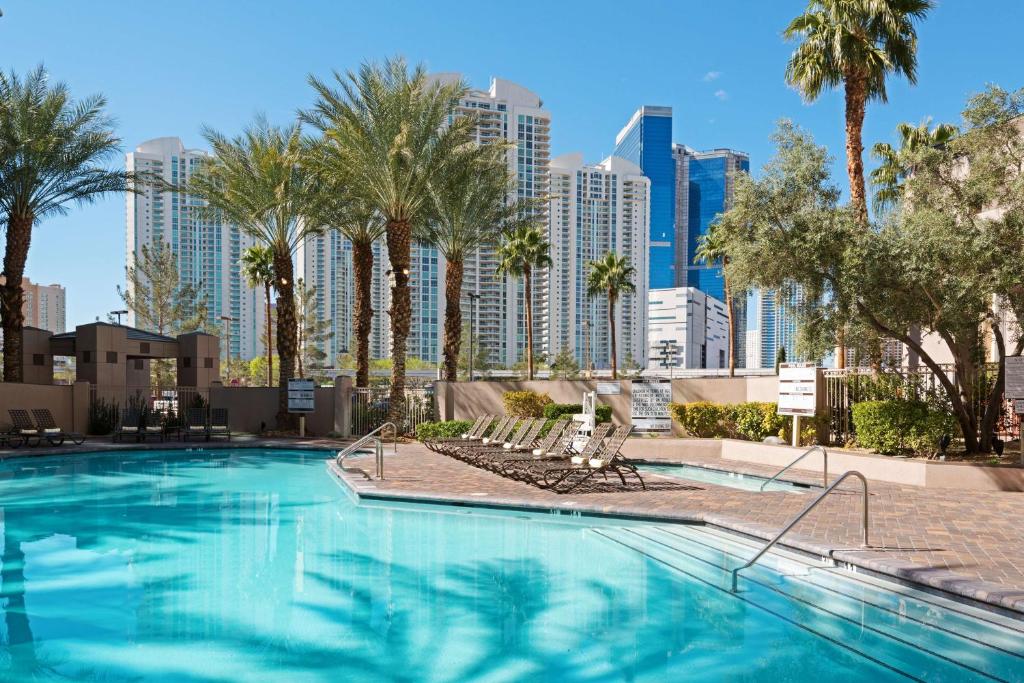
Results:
x,y
343,405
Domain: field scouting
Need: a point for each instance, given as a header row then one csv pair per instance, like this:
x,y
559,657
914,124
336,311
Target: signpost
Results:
x,y
1015,391
649,405
301,399
798,393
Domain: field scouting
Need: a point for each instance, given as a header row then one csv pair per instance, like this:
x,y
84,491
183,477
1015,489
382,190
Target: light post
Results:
x,y
472,329
227,328
586,349
119,314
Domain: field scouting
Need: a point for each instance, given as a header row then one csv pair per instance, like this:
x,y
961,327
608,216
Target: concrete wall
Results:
x,y
69,404
248,407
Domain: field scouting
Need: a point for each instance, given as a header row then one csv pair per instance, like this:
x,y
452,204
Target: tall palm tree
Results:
x,y
471,209
710,252
889,176
523,250
363,226
258,269
389,139
856,43
611,276
52,153
259,182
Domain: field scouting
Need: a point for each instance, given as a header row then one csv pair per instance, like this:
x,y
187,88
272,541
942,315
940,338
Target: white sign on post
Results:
x,y
301,395
798,389
649,405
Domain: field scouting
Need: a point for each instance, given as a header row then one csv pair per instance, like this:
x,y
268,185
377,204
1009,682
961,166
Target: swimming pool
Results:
x,y
736,480
258,566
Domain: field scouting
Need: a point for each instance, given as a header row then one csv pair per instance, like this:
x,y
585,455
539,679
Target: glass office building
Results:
x,y
647,142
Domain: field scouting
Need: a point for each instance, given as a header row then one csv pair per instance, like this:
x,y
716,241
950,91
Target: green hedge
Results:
x,y
753,421
894,427
553,411
446,429
525,403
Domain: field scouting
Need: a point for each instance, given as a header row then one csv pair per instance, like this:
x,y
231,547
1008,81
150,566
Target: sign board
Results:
x,y
649,405
1018,406
301,395
1014,377
798,389
609,388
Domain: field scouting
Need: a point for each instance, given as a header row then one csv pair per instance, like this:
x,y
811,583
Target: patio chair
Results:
x,y
525,443
53,432
195,424
533,471
607,459
154,425
470,453
474,433
557,444
498,435
128,425
24,427
219,423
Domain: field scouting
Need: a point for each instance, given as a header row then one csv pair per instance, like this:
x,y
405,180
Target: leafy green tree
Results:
x,y
257,372
564,365
892,171
522,251
856,44
711,251
481,356
313,333
258,269
388,140
162,303
259,181
780,358
53,153
611,276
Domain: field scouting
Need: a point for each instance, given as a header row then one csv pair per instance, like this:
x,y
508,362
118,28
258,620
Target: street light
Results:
x,y
472,329
117,313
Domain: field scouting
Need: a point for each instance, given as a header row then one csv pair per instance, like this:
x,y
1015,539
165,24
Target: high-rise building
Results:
x,y
694,325
207,249
594,210
646,140
43,306
771,324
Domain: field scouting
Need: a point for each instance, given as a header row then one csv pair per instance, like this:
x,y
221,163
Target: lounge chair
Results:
x,y
154,426
557,444
52,432
607,459
219,423
534,471
128,425
469,453
24,427
524,438
195,424
474,433
498,435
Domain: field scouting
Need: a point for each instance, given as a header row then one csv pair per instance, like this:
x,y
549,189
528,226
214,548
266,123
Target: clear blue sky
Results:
x,y
169,67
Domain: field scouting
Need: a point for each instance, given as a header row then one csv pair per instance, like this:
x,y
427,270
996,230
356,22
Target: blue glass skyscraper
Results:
x,y
647,142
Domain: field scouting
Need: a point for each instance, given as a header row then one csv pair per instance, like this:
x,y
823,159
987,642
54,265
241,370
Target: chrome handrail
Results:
x,y
803,455
810,506
339,459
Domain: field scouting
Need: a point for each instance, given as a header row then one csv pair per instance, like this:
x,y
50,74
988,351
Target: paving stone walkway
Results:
x,y
968,543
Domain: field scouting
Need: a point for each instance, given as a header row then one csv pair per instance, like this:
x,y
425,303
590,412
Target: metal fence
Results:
x,y
845,387
370,406
107,402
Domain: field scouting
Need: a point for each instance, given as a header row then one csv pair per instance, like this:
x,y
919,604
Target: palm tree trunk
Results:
x,y
856,103
732,331
19,234
270,337
452,318
286,342
528,299
611,328
399,235
362,263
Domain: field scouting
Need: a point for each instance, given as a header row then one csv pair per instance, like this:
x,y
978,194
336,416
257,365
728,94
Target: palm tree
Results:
x,y
611,275
710,252
524,249
52,151
471,209
258,269
388,138
856,43
259,182
889,176
362,226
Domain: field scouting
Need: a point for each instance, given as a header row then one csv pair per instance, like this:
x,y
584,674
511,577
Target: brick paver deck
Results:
x,y
967,543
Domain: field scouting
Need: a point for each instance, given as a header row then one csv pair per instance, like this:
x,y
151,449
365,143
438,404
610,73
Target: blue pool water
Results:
x,y
736,480
257,566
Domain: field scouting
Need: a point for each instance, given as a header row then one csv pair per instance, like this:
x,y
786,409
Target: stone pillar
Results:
x,y
198,360
80,406
36,358
343,405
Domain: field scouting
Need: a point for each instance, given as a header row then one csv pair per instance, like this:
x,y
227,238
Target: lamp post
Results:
x,y
119,314
586,348
227,328
472,329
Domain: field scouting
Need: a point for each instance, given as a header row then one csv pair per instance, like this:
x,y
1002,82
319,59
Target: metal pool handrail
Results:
x,y
803,513
378,448
803,455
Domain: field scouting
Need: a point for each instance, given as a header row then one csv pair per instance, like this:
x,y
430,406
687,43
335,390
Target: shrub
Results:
x,y
553,411
892,427
102,416
445,429
754,421
702,419
525,403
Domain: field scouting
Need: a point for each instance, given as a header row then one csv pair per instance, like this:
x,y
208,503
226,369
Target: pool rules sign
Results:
x,y
649,406
301,395
798,393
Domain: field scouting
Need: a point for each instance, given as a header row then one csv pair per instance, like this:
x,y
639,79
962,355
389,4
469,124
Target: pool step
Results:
x,y
817,600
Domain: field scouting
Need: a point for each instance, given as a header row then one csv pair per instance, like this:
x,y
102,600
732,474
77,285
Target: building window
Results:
x,y
86,356
38,359
111,356
208,362
143,347
186,362
139,363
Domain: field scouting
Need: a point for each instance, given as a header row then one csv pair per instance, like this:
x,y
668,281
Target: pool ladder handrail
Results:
x,y
378,448
816,447
803,513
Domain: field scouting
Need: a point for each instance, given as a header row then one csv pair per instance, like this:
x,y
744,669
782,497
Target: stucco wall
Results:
x,y
60,399
248,407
